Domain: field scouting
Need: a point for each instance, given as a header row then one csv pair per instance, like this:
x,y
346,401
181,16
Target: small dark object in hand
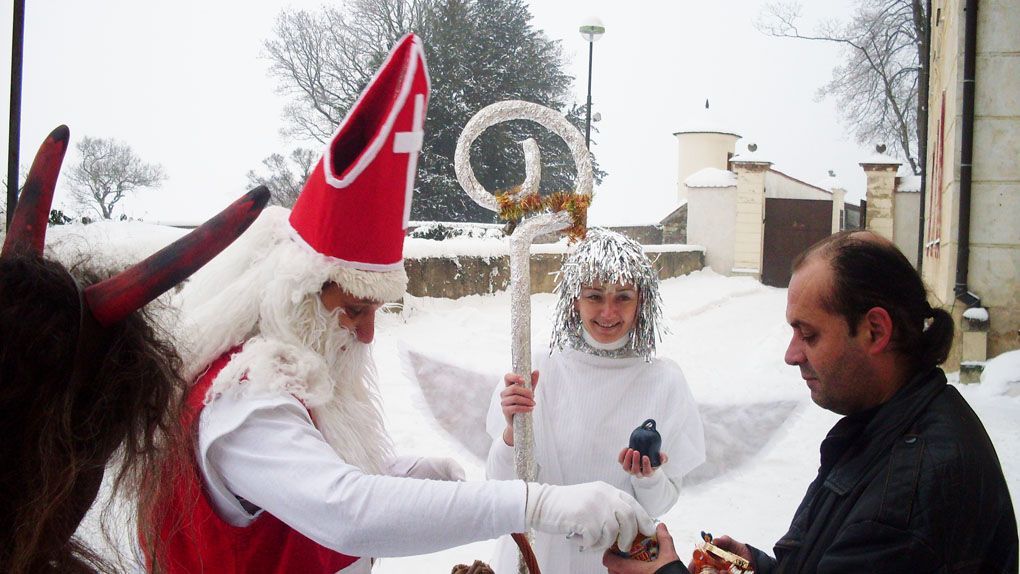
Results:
x,y
646,440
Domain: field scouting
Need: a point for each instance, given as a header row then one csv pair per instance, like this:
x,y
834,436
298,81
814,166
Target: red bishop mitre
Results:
x,y
355,206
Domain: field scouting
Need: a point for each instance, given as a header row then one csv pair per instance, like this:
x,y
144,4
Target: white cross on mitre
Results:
x,y
410,143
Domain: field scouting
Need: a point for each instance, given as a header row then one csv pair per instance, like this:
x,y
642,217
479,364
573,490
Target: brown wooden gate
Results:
x,y
791,226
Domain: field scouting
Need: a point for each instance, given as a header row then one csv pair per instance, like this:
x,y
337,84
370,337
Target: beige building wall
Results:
x,y
907,207
838,209
698,150
994,268
750,216
711,223
881,185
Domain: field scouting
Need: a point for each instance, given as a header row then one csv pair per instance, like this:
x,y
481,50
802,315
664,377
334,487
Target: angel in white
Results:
x,y
599,382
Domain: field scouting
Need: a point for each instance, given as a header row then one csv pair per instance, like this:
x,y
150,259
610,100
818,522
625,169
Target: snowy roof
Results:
x,y
711,177
706,121
908,184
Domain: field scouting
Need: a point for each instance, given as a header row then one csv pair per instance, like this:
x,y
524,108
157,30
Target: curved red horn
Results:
x,y
117,297
28,226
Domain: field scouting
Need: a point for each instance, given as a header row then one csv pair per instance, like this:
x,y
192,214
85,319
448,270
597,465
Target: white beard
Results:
x,y
303,351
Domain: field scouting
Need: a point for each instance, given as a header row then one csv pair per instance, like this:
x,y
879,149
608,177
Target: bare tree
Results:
x,y
106,171
285,178
324,59
876,86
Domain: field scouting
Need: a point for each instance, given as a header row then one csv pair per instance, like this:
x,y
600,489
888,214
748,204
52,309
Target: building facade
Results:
x,y
971,251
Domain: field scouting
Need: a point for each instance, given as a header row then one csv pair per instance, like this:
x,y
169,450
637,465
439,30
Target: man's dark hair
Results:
x,y
869,271
67,413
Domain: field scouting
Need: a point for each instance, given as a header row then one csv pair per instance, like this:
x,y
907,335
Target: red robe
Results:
x,y
198,541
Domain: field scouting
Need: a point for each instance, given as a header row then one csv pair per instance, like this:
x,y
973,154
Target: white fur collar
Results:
x,y
347,414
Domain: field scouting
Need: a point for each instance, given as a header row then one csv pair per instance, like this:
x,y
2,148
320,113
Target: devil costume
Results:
x,y
83,372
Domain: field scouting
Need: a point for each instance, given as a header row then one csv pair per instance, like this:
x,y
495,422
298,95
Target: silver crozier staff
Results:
x,y
565,211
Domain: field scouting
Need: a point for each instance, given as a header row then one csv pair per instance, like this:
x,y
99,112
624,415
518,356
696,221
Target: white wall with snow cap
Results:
x,y
711,177
711,222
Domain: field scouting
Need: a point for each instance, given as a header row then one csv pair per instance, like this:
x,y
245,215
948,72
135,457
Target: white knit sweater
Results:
x,y
586,408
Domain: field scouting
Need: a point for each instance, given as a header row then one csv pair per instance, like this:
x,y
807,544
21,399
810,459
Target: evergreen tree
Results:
x,y
479,52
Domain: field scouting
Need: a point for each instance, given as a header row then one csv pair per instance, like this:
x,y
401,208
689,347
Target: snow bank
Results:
x,y
113,244
1001,375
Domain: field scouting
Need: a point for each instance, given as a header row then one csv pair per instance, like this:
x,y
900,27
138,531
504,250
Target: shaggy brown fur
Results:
x,y
73,397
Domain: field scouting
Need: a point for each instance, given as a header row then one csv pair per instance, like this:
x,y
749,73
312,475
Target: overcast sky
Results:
x,y
186,84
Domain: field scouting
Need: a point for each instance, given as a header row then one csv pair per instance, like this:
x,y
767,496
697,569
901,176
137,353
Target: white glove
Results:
x,y
427,467
593,515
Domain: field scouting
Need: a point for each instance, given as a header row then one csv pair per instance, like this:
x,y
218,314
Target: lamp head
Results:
x,y
592,29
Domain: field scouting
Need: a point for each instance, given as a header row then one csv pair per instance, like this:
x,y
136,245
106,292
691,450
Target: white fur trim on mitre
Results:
x,y
358,279
381,286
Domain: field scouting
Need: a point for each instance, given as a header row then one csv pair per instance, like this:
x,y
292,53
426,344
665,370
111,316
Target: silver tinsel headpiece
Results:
x,y
605,257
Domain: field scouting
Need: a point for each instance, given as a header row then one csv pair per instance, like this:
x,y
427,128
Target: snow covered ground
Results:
x,y
729,336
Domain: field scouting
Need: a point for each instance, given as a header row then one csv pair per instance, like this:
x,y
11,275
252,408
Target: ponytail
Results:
x,y
936,339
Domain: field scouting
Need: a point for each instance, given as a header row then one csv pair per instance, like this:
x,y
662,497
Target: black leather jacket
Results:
x,y
911,486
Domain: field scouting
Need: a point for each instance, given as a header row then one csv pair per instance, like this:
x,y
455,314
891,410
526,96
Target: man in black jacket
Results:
x,y
909,480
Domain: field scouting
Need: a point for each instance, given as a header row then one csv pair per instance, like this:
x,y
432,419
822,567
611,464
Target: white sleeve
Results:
x,y
657,493
499,465
267,452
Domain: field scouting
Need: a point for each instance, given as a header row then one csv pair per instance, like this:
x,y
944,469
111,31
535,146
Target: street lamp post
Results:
x,y
14,131
591,30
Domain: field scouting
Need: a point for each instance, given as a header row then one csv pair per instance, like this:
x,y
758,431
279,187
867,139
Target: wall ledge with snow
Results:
x,y
474,264
456,268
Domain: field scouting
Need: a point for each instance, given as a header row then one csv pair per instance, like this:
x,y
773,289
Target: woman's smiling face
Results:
x,y
607,311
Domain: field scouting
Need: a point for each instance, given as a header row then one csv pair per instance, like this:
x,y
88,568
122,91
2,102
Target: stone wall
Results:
x,y
674,226
455,277
643,234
